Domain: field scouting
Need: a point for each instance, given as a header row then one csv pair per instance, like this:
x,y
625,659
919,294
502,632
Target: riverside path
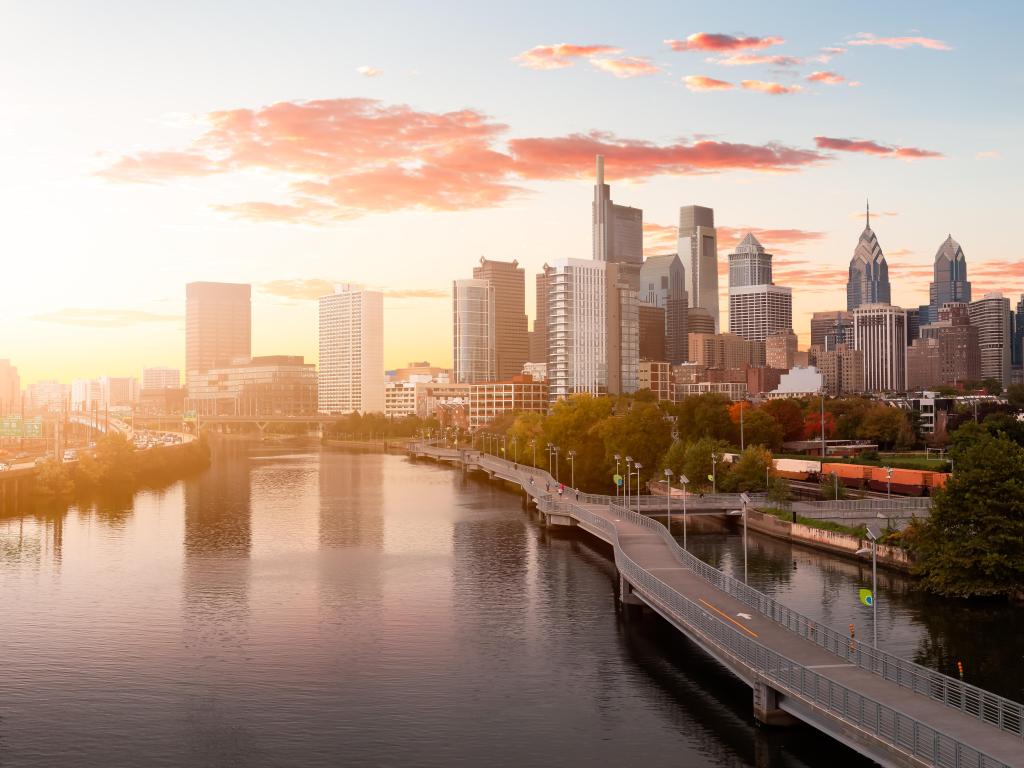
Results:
x,y
889,709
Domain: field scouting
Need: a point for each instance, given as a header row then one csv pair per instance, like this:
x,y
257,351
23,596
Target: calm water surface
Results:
x,y
293,607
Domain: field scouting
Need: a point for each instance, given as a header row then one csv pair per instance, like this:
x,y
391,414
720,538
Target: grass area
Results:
x,y
825,525
914,461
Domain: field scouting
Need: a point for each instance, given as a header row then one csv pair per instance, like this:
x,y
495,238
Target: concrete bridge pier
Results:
x,y
626,596
766,706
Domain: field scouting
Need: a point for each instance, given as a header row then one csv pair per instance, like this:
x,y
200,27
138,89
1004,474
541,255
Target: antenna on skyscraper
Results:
x,y
867,206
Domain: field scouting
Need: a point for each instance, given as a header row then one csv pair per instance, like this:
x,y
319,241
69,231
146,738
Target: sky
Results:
x,y
297,146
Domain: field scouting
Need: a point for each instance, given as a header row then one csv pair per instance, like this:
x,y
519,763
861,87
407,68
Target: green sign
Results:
x,y
617,479
189,416
13,426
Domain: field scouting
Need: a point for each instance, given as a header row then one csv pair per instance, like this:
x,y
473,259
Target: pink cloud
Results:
x,y
627,66
561,55
659,239
829,78
775,89
572,156
866,38
709,41
702,83
774,240
750,59
367,71
343,158
873,148
827,54
145,167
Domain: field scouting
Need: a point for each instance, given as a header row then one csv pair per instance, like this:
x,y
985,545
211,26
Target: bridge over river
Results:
x,y
889,709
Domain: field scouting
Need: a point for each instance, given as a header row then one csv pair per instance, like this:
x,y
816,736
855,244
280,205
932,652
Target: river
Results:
x,y
294,606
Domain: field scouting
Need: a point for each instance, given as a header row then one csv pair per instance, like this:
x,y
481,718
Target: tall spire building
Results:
x,y
950,278
618,230
869,274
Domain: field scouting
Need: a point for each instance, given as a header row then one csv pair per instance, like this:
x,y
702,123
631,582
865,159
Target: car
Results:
x,y
4,466
70,455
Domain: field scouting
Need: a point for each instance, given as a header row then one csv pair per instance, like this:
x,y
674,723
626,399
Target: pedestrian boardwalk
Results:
x,y
891,710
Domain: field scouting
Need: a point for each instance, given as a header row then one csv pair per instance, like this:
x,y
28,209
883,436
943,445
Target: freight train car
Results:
x,y
797,469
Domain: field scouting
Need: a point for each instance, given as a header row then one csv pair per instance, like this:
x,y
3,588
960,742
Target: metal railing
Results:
x,y
900,502
1000,712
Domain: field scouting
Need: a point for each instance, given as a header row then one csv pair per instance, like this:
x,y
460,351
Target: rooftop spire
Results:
x,y
867,206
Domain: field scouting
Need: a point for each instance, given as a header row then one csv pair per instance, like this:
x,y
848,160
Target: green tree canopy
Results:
x,y
698,464
750,471
759,428
973,542
705,416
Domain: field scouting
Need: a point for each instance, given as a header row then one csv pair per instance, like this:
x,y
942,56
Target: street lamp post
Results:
x,y
618,458
515,449
683,480
668,498
637,466
741,425
533,442
888,482
873,535
714,473
556,449
550,446
572,469
629,477
744,499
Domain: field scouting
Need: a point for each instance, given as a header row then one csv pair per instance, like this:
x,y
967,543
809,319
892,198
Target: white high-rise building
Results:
x,y
351,376
474,352
51,396
698,249
880,332
757,308
991,316
577,328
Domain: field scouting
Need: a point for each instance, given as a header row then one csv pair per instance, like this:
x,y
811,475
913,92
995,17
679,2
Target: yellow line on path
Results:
x,y
727,617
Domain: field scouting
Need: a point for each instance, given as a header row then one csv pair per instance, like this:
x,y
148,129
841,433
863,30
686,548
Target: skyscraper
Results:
x,y
750,264
663,284
880,332
869,273
831,328
511,340
958,357
539,334
757,307
698,249
618,229
622,334
991,316
577,328
351,340
950,279
473,319
218,325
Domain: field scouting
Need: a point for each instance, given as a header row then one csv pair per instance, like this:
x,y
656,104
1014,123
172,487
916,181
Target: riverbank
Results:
x,y
117,467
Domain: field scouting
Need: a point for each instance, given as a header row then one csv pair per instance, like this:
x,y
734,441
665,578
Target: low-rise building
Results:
x,y
799,382
272,385
656,376
491,399
732,389
399,399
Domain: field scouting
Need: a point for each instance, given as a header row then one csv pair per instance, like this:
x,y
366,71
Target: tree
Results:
x,y
886,426
750,471
574,425
759,428
789,415
112,464
705,416
1015,394
641,431
993,386
830,487
698,465
849,412
812,426
528,428
780,494
675,458
973,541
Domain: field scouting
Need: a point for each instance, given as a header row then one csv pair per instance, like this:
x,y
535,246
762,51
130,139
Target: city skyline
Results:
x,y
796,177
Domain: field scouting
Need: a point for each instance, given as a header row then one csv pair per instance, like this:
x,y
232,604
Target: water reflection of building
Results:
x,y
351,500
217,543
